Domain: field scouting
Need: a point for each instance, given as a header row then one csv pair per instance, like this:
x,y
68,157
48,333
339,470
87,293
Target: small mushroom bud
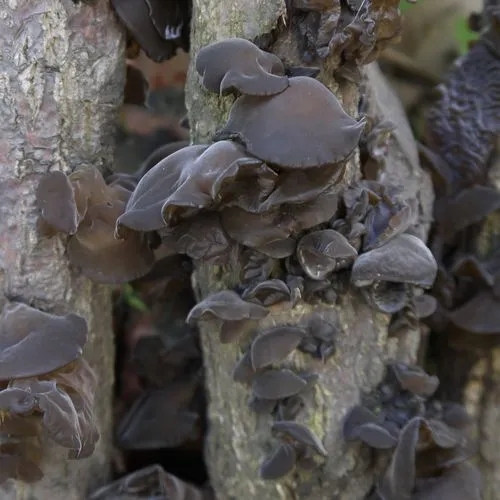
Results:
x,y
388,270
322,252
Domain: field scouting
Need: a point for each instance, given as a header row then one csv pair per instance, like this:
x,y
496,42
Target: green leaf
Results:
x,y
404,5
464,35
132,298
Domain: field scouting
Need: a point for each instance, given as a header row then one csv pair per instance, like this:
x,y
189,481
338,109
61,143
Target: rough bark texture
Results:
x,y
238,439
61,80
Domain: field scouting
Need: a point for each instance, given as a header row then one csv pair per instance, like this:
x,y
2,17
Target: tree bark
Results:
x,y
238,439
61,78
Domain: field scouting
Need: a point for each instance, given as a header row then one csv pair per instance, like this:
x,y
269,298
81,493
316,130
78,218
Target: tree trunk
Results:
x,y
238,439
62,73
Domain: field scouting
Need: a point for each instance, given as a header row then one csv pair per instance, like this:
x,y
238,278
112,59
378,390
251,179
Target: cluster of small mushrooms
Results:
x,y
350,33
269,189
460,139
428,438
43,393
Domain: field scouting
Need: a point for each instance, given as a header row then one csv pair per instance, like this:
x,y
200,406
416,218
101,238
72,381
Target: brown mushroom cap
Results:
x,y
304,126
301,434
403,259
267,292
158,155
399,478
227,306
275,344
480,315
201,238
183,183
150,482
55,198
238,65
102,256
136,17
277,384
325,251
256,230
279,463
33,342
415,379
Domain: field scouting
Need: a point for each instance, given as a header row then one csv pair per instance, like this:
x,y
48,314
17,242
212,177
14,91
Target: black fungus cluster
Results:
x,y
160,27
46,390
269,190
427,439
460,148
349,33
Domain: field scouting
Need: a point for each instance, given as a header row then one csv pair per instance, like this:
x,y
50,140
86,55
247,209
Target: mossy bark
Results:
x,y
238,439
62,70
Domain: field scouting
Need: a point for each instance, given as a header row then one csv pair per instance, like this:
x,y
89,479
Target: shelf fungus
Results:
x,y
428,438
237,65
150,482
313,131
274,345
45,387
24,331
277,384
201,238
268,292
158,26
58,403
187,181
387,274
297,445
85,208
323,252
462,124
233,314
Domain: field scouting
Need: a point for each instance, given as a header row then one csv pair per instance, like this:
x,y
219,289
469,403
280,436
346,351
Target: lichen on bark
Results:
x,y
238,439
61,78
